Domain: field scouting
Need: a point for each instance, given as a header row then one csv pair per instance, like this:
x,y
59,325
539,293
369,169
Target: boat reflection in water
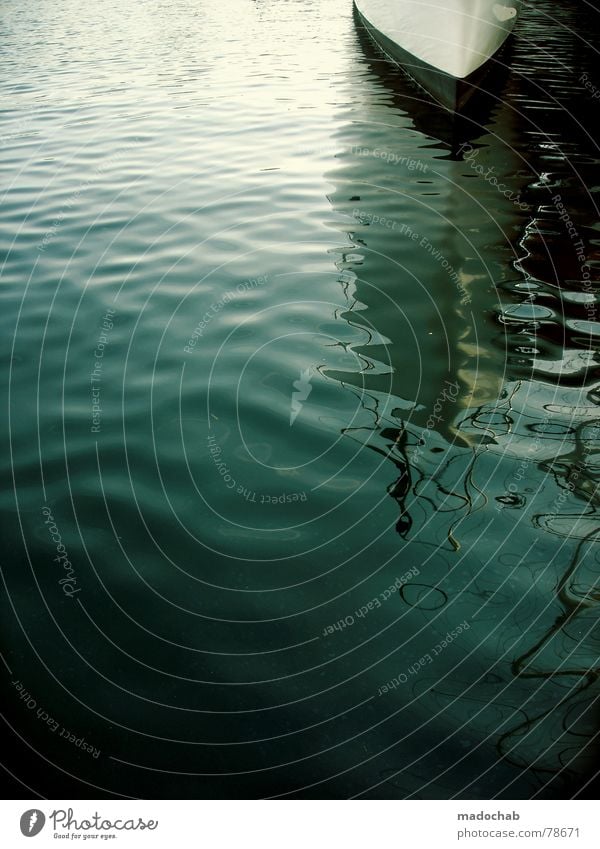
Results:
x,y
480,374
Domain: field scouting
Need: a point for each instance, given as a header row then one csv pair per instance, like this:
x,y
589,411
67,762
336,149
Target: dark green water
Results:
x,y
287,348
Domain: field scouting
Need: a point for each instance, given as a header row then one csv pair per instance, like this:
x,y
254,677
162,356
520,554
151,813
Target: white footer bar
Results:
x,y
300,824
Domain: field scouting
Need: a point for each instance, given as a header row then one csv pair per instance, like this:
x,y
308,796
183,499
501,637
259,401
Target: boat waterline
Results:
x,y
445,45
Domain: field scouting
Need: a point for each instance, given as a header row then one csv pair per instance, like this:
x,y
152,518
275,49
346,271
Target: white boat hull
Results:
x,y
454,39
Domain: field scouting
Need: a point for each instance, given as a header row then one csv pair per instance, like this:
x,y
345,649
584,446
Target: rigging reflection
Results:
x,y
481,373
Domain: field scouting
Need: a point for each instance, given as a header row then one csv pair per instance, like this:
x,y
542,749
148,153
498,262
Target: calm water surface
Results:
x,y
302,452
